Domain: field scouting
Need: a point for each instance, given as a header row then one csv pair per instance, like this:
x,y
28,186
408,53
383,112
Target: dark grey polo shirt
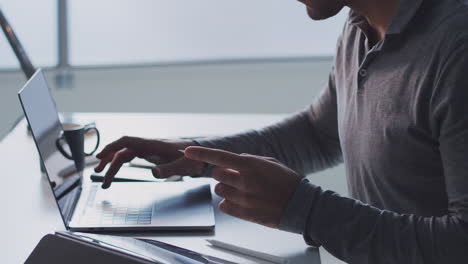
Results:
x,y
396,113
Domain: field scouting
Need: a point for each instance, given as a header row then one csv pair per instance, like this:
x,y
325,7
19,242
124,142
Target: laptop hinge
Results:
x,y
72,200
67,186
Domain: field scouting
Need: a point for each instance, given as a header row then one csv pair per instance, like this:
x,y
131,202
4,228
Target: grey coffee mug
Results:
x,y
74,137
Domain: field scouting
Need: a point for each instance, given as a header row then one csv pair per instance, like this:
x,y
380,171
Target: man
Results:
x,y
395,110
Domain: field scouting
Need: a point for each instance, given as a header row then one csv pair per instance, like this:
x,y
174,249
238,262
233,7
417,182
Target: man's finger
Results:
x,y
123,142
254,215
119,159
103,162
227,176
263,157
231,208
235,195
216,157
181,166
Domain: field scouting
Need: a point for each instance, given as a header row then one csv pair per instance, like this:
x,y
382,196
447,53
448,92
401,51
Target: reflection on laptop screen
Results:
x,y
40,110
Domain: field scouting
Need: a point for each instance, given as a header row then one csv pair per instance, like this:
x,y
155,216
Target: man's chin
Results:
x,y
315,15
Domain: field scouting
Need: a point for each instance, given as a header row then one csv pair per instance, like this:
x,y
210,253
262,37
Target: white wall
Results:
x,y
128,31
263,87
34,23
109,32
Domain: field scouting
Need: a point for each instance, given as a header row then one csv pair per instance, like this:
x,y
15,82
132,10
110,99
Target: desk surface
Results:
x,y
31,211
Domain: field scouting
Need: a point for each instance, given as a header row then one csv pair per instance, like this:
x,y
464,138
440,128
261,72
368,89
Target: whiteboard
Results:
x,y
159,31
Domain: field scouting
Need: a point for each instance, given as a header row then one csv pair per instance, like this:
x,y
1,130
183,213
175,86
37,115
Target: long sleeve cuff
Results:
x,y
295,214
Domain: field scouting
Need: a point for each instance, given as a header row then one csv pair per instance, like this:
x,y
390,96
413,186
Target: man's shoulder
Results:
x,y
439,28
450,19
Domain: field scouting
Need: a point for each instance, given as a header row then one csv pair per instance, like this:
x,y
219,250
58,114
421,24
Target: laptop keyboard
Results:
x,y
116,212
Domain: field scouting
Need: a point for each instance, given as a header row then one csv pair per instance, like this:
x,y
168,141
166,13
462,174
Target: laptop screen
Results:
x,y
40,111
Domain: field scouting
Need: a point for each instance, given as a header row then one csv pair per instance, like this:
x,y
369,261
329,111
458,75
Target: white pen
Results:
x,y
248,252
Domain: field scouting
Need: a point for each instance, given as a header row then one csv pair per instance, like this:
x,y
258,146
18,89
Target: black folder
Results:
x,y
57,248
75,247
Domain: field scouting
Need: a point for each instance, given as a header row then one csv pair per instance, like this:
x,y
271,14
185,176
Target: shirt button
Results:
x,y
363,72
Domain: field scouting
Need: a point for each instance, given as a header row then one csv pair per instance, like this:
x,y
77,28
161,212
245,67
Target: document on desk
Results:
x,y
248,251
157,251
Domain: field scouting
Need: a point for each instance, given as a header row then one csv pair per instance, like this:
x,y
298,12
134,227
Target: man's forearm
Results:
x,y
359,233
294,141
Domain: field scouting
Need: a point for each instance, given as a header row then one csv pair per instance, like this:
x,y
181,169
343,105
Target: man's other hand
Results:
x,y
254,188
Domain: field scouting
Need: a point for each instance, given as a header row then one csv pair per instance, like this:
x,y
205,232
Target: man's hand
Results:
x,y
254,188
163,153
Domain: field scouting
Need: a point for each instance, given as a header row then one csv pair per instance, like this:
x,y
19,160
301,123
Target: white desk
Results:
x,y
31,211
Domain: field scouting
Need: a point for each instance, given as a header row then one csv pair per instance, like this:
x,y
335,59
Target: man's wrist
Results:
x,y
296,211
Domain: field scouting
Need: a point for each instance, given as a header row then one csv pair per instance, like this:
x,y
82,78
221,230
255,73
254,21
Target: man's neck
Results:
x,y
378,13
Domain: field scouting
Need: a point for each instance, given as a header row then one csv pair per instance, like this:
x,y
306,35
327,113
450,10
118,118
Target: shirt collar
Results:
x,y
405,12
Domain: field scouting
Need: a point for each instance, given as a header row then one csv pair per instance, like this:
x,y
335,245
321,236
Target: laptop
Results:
x,y
126,206
86,207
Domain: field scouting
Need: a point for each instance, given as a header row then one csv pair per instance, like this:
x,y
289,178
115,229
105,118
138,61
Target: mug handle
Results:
x,y
87,129
58,144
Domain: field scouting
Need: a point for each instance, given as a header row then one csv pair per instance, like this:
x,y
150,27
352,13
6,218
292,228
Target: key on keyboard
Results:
x,y
115,213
